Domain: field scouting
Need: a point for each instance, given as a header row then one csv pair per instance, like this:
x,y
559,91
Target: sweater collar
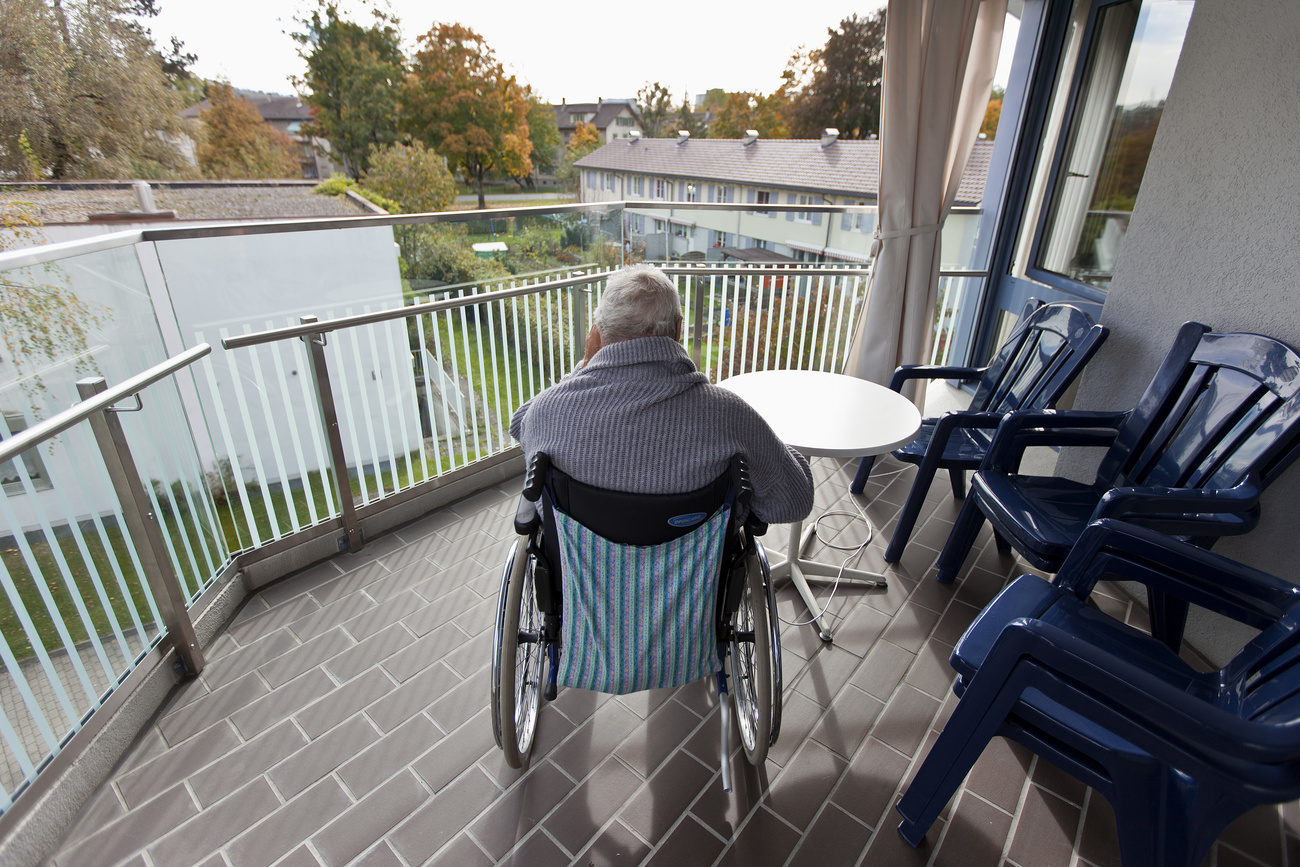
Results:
x,y
643,350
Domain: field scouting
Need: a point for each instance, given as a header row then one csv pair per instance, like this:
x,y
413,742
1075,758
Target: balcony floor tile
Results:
x,y
344,720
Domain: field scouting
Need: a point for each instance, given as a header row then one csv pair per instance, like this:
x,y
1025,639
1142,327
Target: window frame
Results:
x,y
1065,137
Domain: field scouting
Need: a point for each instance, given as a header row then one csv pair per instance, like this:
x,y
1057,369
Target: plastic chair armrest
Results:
x,y
1133,553
1148,505
1046,428
1142,708
931,371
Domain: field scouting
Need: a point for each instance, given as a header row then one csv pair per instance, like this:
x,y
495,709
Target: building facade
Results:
x,y
661,179
613,118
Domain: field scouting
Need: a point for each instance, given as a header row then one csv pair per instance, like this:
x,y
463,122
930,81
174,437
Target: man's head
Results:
x,y
639,301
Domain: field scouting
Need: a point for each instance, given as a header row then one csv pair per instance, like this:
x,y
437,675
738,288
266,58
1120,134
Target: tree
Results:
x,y
83,83
412,175
544,136
745,111
686,120
585,139
42,320
838,85
715,98
237,143
352,81
994,112
656,109
459,101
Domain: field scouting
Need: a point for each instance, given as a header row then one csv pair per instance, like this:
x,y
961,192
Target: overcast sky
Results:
x,y
579,51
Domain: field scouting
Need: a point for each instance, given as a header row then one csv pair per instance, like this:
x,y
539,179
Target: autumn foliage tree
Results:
x,y
744,111
656,109
82,83
585,139
353,74
993,113
544,135
838,85
459,101
237,143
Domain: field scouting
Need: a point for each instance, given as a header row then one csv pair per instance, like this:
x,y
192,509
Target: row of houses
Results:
x,y
673,176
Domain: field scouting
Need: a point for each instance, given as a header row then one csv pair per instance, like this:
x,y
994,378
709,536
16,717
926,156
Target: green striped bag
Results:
x,y
638,617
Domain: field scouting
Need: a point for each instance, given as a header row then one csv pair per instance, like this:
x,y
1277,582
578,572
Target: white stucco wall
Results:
x,y
1215,236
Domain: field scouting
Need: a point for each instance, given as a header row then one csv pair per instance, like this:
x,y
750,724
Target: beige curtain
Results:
x,y
940,57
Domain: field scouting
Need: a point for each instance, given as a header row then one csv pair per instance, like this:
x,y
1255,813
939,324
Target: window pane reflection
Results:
x,y
1130,67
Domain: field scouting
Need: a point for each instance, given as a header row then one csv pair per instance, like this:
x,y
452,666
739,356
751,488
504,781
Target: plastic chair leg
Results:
x,y
907,517
864,472
957,479
1004,547
960,540
1168,618
1165,819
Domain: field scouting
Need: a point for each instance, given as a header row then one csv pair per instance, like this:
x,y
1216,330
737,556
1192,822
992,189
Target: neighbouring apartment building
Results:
x,y
613,118
671,175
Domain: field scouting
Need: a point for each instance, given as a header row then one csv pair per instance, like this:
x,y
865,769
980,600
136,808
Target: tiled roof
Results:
x,y
270,106
845,167
604,111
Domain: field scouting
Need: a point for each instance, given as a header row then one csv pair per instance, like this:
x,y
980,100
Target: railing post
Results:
x,y
580,298
320,378
143,526
697,318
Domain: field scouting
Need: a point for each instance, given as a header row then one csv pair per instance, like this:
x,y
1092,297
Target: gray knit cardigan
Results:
x,y
641,418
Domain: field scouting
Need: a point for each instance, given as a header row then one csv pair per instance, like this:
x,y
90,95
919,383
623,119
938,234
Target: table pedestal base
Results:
x,y
796,568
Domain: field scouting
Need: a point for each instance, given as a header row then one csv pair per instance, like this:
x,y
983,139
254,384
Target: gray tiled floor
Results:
x,y
343,718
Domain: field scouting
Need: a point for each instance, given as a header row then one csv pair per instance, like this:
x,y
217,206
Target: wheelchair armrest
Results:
x,y
931,371
1134,553
1023,428
526,517
755,526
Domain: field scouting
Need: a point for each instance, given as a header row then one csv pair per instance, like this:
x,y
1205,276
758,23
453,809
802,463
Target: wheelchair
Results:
x,y
622,592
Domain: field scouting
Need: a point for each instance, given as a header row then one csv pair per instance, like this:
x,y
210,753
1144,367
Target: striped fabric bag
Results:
x,y
638,617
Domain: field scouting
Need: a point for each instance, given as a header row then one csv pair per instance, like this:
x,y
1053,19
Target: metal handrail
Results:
x,y
29,256
55,425
341,322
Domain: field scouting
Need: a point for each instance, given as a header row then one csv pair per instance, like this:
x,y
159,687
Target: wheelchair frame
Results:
x,y
526,636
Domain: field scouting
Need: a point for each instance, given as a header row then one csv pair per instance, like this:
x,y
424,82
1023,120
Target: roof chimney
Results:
x,y
829,135
683,136
634,136
144,195
751,136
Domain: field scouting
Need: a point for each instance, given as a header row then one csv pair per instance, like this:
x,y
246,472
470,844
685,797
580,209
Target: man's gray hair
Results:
x,y
639,301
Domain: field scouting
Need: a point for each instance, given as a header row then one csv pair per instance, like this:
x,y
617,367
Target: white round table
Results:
x,y
829,415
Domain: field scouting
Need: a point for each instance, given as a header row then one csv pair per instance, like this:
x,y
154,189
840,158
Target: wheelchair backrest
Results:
x,y
636,519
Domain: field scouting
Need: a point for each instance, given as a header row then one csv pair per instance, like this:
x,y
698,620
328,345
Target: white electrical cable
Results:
x,y
857,550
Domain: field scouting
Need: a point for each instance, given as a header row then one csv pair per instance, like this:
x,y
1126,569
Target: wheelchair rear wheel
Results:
x,y
517,658
755,663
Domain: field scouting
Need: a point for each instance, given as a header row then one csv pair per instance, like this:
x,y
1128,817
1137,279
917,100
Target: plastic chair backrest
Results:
x,y
1040,359
1221,406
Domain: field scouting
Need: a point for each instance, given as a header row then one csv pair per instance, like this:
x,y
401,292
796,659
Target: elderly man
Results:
x,y
638,416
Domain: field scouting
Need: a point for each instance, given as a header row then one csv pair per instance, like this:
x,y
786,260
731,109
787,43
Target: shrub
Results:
x,y
412,175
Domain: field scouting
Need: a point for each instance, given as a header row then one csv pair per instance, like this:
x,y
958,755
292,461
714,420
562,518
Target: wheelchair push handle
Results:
x,y
538,466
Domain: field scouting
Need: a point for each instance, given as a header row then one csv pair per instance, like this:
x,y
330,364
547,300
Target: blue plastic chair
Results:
x,y
1179,754
1217,424
1049,347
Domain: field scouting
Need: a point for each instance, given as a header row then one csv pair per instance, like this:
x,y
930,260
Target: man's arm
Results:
x,y
782,479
